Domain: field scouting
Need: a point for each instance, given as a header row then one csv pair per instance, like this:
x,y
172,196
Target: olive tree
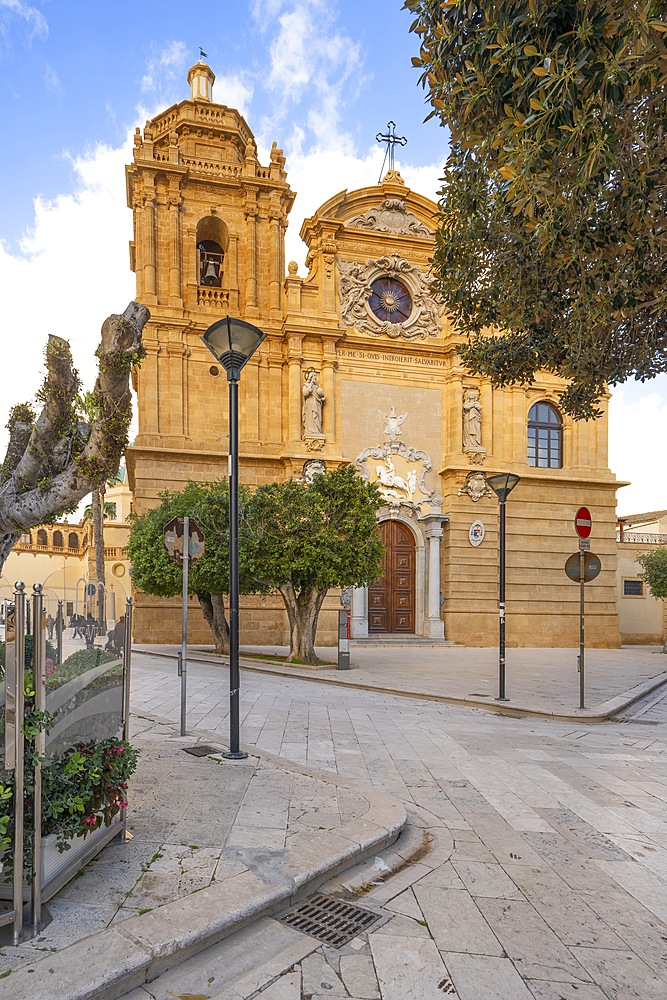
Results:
x,y
55,458
553,210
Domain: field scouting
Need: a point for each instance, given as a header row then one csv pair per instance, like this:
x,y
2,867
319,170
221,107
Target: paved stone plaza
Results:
x,y
543,875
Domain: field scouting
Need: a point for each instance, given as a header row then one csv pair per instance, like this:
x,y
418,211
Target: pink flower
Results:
x,y
49,667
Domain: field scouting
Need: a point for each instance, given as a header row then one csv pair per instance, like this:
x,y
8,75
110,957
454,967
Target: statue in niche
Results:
x,y
313,400
472,420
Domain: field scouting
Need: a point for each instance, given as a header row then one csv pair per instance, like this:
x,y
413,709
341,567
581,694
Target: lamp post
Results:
x,y
502,485
232,342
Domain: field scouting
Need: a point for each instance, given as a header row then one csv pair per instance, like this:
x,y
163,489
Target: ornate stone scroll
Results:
x,y
355,291
391,216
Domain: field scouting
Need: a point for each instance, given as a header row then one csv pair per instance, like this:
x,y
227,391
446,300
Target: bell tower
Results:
x,y
209,226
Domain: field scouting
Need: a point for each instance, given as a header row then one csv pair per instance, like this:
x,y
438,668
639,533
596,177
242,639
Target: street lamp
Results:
x,y
232,342
502,485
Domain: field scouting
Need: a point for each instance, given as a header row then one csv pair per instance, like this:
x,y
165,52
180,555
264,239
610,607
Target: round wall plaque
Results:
x,y
476,533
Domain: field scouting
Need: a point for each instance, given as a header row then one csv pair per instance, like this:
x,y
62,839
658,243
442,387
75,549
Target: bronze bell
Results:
x,y
210,277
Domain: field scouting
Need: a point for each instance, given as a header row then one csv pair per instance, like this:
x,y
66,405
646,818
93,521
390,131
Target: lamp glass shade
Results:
x,y
232,342
502,484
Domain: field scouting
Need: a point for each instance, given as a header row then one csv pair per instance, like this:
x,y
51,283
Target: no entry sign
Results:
x,y
583,522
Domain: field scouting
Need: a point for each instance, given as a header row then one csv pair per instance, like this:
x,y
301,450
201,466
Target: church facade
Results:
x,y
359,366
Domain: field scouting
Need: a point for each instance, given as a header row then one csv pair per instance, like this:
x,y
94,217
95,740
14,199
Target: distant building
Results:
x,y
642,618
61,556
359,366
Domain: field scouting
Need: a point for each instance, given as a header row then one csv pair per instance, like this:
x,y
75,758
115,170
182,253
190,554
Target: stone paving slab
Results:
x,y
540,682
189,877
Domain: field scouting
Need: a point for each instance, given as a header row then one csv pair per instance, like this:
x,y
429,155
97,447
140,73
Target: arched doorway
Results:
x,y
391,599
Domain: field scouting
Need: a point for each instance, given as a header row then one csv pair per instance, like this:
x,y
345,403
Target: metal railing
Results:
x,y
641,538
81,709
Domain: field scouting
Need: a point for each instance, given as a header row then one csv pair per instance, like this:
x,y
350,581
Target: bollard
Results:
x,y
343,639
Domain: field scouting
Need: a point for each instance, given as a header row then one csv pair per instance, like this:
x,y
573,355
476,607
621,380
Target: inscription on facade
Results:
x,y
397,359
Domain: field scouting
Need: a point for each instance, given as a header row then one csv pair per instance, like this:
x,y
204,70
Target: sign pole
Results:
x,y
582,583
184,624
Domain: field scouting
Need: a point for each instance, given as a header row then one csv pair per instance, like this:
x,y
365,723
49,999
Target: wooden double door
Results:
x,y
391,599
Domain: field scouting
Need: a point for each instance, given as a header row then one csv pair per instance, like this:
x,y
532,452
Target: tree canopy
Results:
x,y
302,539
552,218
154,572
298,538
654,571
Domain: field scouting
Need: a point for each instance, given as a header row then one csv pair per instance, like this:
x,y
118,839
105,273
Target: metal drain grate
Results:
x,y
200,751
332,921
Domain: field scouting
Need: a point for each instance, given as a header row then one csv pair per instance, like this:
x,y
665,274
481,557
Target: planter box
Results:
x,y
81,851
57,868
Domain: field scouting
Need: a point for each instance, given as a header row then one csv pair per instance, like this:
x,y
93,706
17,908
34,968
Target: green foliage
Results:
x,y
654,566
50,652
154,572
323,535
552,212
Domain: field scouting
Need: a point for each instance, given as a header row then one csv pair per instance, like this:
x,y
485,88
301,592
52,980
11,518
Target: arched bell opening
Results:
x,y
212,244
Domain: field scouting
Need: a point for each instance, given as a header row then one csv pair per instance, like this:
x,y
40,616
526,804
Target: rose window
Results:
x,y
390,300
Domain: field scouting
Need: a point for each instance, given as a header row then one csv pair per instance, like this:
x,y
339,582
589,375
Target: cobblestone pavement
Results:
x,y
557,885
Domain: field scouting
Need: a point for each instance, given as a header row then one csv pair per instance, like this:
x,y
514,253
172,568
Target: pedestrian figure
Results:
x,y
50,625
119,635
77,622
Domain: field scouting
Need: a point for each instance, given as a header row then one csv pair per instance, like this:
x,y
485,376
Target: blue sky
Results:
x,y
321,77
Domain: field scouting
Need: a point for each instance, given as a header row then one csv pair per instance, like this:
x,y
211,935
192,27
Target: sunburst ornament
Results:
x,y
390,300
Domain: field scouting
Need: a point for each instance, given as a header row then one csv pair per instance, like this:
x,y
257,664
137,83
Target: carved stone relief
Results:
x,y
355,291
399,471
313,467
391,216
476,486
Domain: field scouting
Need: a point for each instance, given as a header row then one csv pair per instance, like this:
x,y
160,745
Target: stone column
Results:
x,y
329,411
251,213
294,357
359,613
277,277
149,243
175,243
434,627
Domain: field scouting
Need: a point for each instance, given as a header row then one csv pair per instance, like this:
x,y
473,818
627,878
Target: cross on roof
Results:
x,y
391,140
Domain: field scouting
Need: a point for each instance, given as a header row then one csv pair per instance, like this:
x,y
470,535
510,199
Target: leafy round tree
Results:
x,y
552,218
303,539
154,572
654,575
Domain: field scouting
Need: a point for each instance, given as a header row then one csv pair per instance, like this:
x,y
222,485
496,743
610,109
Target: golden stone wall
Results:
x,y
195,171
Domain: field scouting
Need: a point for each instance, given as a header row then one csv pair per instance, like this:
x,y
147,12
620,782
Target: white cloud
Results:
x,y
636,430
166,67
234,91
32,18
309,57
72,272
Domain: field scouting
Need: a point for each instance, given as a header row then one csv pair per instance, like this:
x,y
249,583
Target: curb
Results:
x,y
601,713
137,950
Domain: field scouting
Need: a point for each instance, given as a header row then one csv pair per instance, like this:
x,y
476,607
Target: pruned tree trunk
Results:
x,y
98,537
303,611
213,608
54,461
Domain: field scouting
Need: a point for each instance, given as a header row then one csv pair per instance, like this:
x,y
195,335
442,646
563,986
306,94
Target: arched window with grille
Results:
x,y
58,539
73,540
42,537
545,436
